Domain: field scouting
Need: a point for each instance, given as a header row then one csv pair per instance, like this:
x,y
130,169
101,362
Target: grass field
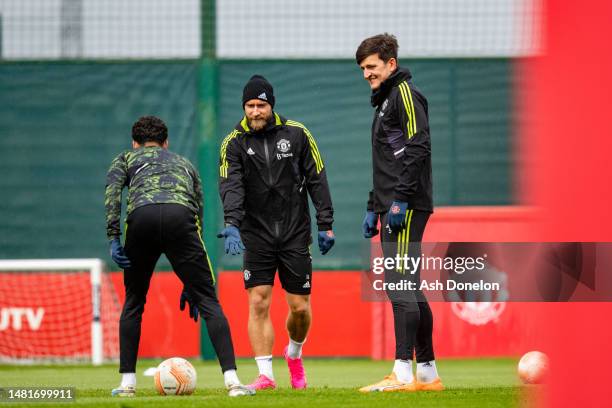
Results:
x,y
332,383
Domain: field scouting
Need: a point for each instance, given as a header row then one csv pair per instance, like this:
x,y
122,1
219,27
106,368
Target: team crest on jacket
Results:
x,y
247,274
283,146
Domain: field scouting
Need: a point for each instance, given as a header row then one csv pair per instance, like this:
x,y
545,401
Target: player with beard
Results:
x,y
269,165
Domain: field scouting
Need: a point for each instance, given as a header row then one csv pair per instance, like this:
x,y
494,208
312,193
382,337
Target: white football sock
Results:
x,y
427,372
264,364
128,379
231,378
403,370
294,350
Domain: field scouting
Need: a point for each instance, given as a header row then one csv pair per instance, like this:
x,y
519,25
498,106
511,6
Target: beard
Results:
x,y
257,124
260,123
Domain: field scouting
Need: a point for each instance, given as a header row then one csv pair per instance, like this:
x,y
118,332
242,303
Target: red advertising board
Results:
x,y
48,315
166,332
341,324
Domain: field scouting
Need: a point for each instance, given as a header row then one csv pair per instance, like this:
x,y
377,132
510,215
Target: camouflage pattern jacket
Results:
x,y
153,175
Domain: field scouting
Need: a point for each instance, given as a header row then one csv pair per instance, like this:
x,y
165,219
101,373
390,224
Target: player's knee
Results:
x,y
132,311
300,309
259,306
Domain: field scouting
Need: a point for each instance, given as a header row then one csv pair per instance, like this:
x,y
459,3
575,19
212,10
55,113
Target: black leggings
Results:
x,y
412,315
174,230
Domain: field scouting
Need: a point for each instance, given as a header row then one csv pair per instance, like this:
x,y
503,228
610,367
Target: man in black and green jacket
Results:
x,y
268,167
164,213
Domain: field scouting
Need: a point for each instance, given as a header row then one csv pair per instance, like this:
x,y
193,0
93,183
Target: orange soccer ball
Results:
x,y
533,367
175,376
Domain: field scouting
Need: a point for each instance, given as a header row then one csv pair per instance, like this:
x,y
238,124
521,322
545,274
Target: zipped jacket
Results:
x,y
265,178
401,146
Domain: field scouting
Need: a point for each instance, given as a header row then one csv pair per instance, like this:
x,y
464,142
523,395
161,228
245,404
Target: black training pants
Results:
x,y
174,230
412,315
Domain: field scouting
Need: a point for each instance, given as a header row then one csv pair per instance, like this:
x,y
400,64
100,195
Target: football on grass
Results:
x,y
175,376
533,367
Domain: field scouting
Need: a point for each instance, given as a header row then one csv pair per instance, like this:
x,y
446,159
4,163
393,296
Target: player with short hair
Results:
x,y
402,198
268,167
164,213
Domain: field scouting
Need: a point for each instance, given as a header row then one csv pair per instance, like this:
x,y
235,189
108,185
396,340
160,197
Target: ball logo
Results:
x,y
247,274
478,313
283,145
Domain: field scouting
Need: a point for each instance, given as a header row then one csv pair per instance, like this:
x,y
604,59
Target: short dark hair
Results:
x,y
385,45
149,129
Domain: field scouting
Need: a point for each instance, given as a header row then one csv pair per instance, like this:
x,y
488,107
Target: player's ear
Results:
x,y
135,144
392,63
165,144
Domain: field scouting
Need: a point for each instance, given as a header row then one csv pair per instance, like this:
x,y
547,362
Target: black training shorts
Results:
x,y
294,269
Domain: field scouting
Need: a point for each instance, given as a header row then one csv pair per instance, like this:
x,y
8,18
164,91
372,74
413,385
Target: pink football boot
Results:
x,y
262,382
296,371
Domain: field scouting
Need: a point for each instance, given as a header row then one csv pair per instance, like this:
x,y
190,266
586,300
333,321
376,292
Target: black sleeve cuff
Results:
x,y
370,205
405,198
324,227
232,221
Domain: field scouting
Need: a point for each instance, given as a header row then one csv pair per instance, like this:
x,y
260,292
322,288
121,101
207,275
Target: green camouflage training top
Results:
x,y
153,175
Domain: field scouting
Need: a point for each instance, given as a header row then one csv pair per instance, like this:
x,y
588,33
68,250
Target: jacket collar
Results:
x,y
275,120
379,95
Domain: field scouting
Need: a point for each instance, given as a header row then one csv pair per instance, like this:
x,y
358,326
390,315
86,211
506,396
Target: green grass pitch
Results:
x,y
331,383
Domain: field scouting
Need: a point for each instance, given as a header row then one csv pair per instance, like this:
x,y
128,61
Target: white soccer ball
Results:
x,y
533,367
175,376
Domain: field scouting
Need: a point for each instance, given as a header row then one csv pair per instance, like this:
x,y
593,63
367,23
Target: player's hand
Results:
x,y
326,241
233,242
193,310
118,254
396,219
370,222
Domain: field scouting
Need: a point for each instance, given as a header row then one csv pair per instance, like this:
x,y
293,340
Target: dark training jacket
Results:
x,y
153,175
401,147
264,181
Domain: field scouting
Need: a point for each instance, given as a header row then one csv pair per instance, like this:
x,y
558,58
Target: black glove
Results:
x,y
193,310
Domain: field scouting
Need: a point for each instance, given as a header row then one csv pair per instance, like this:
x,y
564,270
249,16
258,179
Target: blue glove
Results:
x,y
370,222
396,219
233,243
118,255
193,310
326,241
